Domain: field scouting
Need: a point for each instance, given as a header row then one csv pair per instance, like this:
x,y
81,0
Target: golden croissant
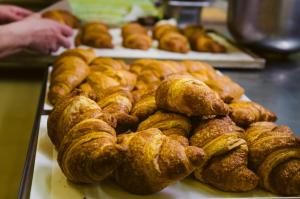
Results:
x,y
117,101
174,125
190,97
161,29
86,143
175,42
133,28
274,154
153,161
244,113
69,70
63,17
94,34
103,63
225,166
144,107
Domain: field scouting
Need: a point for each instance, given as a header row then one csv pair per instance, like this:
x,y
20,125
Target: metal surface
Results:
x,y
267,25
276,87
185,12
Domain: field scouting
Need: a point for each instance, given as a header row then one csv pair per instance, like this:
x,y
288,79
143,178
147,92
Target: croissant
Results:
x,y
189,96
225,166
138,65
117,101
244,113
100,81
68,73
95,34
204,43
89,153
86,143
153,161
87,55
191,30
133,28
173,125
274,154
161,29
200,70
175,42
137,41
144,107
103,63
71,110
63,17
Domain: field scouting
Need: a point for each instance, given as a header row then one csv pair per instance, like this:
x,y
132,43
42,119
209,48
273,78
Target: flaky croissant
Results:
x,y
63,17
103,63
153,161
133,28
173,125
137,41
67,74
244,113
175,42
161,29
204,43
94,34
117,101
189,96
226,162
144,107
87,55
274,154
71,110
86,143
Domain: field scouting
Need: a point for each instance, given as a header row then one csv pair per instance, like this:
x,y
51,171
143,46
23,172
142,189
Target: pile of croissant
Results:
x,y
153,123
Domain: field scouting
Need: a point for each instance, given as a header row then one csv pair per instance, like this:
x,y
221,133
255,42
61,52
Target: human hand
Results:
x,y
10,13
42,35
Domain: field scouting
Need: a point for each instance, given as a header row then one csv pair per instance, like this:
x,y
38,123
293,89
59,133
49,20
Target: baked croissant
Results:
x,y
225,166
138,65
161,29
204,43
94,34
173,125
67,74
136,36
274,154
227,89
87,55
191,30
189,96
103,63
63,17
137,41
175,42
244,113
200,70
71,110
86,143
100,81
133,28
117,101
144,107
153,161
88,152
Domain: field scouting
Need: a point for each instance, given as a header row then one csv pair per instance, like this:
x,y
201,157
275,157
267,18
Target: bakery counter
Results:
x,y
276,87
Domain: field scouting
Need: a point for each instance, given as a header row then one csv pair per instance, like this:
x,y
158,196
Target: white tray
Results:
x,y
49,182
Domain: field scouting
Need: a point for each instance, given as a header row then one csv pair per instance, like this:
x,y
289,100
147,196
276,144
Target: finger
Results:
x,y
66,30
54,47
14,17
23,12
63,41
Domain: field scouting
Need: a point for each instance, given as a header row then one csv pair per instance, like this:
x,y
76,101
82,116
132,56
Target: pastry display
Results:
x,y
94,34
136,36
152,123
63,17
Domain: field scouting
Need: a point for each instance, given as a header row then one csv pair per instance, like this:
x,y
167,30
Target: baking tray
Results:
x,y
42,177
236,57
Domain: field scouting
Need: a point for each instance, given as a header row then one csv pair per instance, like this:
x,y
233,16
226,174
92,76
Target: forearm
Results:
x,y
10,41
